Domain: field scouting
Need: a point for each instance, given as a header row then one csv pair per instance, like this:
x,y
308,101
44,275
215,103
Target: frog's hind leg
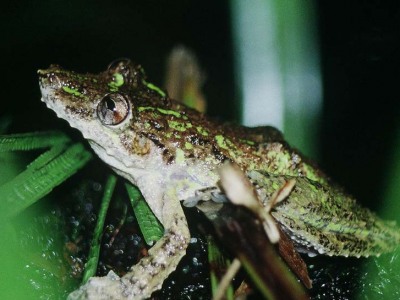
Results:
x,y
149,274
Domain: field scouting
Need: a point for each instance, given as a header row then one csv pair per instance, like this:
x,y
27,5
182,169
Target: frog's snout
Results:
x,y
48,77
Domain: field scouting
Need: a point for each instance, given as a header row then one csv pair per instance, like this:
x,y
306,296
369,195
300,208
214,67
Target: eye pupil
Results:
x,y
113,109
109,104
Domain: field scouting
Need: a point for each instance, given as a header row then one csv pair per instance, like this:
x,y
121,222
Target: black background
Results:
x,y
359,43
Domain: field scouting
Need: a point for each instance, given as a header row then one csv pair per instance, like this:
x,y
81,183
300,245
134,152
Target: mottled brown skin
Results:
x,y
206,145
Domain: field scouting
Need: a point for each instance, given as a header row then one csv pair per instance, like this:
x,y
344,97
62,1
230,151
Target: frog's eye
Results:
x,y
113,109
123,67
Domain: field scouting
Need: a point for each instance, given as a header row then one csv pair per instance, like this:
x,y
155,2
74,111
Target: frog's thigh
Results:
x,y
149,274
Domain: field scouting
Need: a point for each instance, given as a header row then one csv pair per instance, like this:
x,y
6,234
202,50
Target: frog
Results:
x,y
173,154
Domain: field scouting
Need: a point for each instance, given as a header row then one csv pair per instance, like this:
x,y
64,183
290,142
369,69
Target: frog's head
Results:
x,y
85,98
104,107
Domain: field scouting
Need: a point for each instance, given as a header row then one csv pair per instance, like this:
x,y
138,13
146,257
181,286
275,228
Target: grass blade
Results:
x,y
39,180
93,257
151,228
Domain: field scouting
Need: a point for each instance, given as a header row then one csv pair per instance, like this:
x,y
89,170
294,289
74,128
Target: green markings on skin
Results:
x,y
144,108
72,91
233,146
161,110
248,142
227,144
155,115
188,146
202,131
179,126
172,134
118,80
154,88
283,164
281,161
276,185
310,173
169,112
221,142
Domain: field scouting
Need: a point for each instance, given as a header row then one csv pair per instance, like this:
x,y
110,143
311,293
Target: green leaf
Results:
x,y
40,177
32,140
151,228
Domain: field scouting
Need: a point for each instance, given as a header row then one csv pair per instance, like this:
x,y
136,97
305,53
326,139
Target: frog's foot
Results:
x,y
149,274
211,193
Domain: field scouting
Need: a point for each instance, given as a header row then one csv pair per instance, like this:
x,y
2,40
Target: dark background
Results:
x,y
359,43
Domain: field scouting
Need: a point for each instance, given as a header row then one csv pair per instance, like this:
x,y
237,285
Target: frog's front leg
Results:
x,y
149,274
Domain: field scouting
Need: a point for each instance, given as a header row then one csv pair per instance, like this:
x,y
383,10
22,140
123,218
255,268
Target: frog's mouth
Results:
x,y
51,101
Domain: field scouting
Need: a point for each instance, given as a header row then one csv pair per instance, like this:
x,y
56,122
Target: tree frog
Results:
x,y
172,153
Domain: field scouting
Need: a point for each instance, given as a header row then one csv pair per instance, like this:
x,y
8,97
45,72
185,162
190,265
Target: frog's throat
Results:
x,y
128,167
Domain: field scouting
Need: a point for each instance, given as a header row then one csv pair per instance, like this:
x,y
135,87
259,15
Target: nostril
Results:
x,y
49,78
52,77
